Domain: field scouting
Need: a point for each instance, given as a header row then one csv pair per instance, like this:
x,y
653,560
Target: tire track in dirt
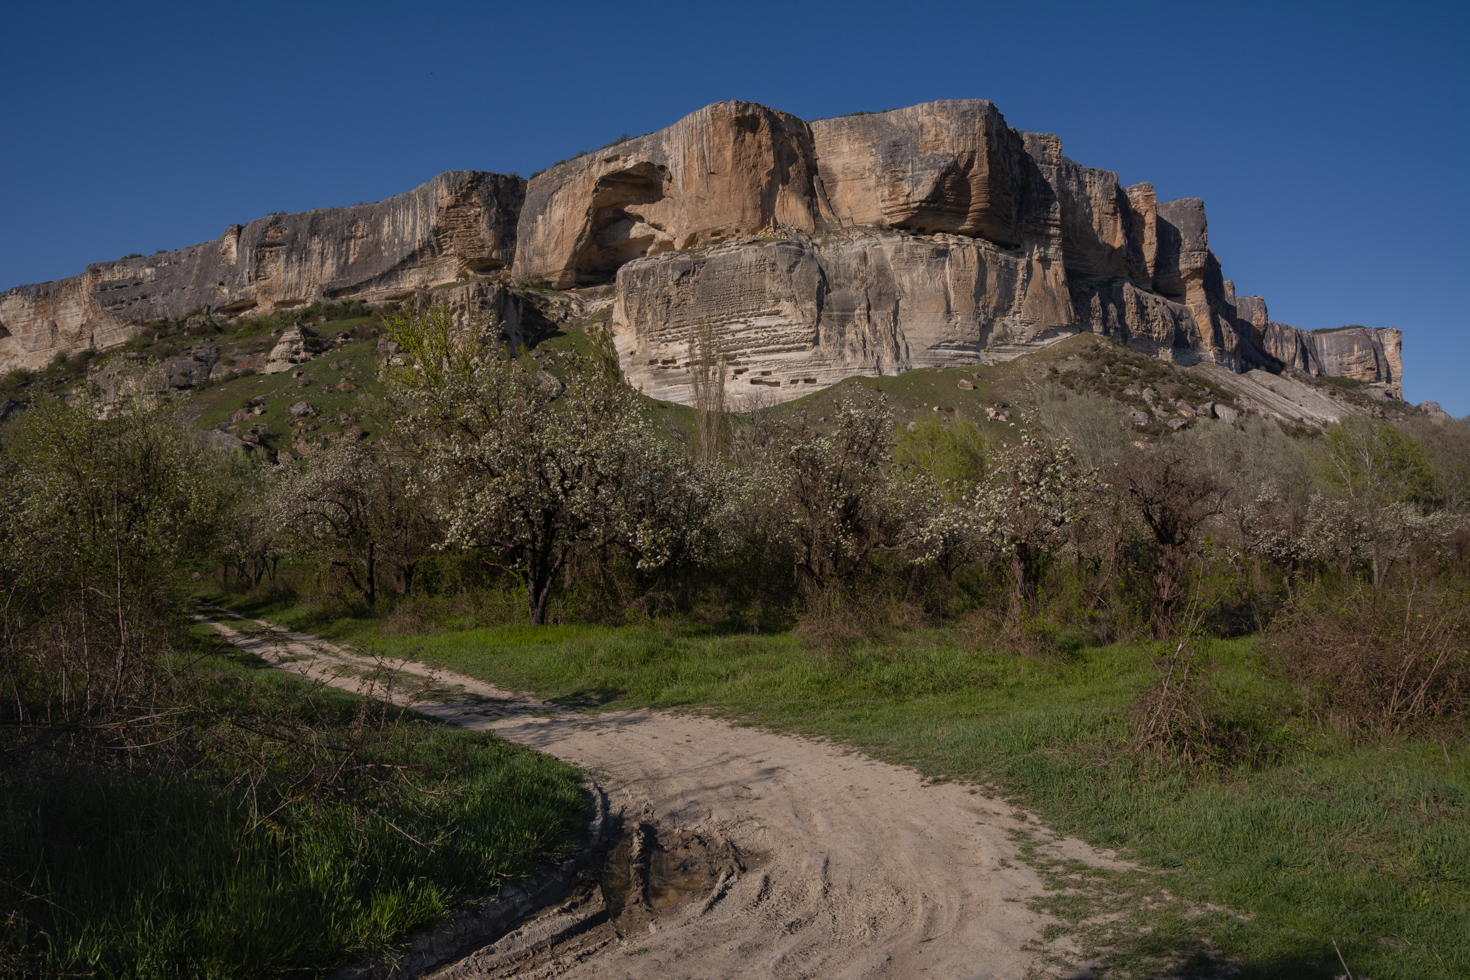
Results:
x,y
864,869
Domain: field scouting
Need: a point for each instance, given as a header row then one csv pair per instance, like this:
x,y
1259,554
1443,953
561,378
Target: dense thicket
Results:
x,y
543,473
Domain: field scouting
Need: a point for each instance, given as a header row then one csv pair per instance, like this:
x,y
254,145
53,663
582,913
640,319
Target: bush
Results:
x,y
1380,661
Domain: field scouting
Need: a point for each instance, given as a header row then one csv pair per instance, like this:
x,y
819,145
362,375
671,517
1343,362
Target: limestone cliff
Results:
x,y
936,235
794,315
865,244
458,224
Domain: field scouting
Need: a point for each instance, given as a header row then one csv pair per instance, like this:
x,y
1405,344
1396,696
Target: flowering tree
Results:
x,y
532,463
357,508
826,491
1383,477
1023,509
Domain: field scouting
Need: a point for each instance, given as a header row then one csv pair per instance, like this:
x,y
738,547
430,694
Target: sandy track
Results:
x,y
856,868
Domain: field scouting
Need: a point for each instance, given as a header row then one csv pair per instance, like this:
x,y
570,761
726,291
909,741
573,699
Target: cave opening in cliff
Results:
x,y
621,228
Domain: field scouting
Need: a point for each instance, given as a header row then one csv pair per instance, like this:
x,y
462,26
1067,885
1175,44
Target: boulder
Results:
x,y
549,385
226,441
185,372
301,410
296,346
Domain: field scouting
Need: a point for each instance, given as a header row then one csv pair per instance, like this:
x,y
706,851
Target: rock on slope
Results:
x,y
808,252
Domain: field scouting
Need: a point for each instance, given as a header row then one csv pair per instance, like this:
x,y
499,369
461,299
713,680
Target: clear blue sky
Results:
x,y
1328,141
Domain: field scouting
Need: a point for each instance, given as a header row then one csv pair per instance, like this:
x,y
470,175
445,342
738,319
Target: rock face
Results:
x,y
936,235
460,223
731,169
797,315
808,252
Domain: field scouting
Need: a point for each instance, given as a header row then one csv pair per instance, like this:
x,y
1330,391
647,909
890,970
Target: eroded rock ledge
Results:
x,y
810,252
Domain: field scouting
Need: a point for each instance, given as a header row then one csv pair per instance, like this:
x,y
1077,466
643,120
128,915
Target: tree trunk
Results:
x,y
537,589
370,577
540,572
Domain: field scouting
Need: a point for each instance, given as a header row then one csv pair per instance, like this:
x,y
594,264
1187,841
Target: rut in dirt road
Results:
x,y
798,859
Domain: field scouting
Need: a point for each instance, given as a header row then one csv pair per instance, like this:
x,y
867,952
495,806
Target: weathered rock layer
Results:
x,y
460,223
806,252
937,235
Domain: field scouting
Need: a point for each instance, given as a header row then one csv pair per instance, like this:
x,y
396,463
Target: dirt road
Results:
x,y
804,860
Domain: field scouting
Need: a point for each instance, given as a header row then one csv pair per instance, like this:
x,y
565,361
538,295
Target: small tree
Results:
x,y
532,468
1023,509
1383,476
707,379
357,508
1174,497
101,514
252,537
826,491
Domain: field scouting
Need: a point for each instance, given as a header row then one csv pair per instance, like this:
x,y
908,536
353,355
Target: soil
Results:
x,y
746,853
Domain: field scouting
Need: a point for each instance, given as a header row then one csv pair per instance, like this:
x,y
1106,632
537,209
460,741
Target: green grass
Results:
x,y
138,876
1365,843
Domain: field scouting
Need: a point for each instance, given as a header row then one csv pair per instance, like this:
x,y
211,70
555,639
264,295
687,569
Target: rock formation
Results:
x,y
297,345
460,223
933,235
729,170
807,252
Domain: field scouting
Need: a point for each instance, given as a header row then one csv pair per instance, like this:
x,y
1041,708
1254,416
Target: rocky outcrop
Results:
x,y
297,345
459,224
943,167
795,316
490,305
731,169
1003,246
1369,354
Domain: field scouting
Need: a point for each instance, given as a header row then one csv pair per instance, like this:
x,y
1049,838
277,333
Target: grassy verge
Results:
x,y
112,872
1313,838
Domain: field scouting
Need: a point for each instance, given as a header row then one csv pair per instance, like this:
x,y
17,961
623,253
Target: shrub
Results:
x,y
1173,497
1382,661
1170,715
